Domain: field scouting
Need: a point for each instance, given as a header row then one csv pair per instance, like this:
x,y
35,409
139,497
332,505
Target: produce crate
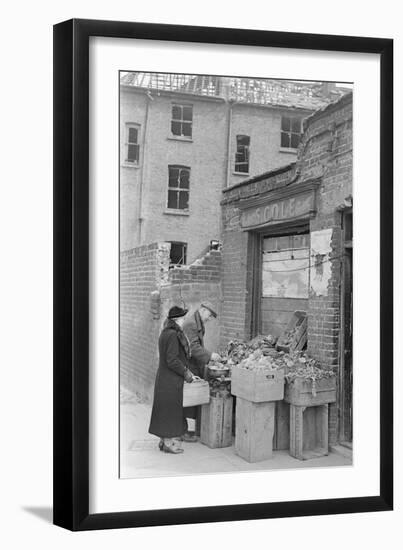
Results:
x,y
216,422
298,326
281,439
257,385
195,393
254,429
309,431
299,392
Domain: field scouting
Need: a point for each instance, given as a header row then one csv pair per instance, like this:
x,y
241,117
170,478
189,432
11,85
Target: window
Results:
x,y
242,154
178,254
132,143
290,131
182,117
178,187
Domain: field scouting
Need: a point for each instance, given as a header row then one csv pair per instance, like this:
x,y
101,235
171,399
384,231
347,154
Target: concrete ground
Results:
x,y
140,456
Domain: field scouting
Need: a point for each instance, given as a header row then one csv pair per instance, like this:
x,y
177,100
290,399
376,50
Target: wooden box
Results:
x,y
281,439
195,393
309,431
298,327
216,422
257,385
299,392
254,429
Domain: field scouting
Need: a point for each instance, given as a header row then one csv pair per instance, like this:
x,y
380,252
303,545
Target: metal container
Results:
x,y
216,371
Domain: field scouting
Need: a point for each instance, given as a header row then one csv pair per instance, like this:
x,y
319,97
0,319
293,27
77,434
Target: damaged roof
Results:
x,y
270,92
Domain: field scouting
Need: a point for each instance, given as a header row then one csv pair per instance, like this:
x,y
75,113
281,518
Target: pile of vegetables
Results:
x,y
260,354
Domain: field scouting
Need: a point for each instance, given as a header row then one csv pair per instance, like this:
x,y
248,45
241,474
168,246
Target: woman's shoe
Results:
x,y
173,450
161,445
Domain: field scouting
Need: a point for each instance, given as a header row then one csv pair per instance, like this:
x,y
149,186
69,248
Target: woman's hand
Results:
x,y
188,376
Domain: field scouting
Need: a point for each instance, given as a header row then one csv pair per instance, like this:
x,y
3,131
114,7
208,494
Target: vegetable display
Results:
x,y
260,354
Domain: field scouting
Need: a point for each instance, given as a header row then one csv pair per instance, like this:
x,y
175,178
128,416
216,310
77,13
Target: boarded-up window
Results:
x,y
285,266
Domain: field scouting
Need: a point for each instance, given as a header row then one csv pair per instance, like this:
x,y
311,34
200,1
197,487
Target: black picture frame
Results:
x,y
71,274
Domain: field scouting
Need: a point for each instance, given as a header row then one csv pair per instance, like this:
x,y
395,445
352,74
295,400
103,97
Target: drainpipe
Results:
x,y
143,155
229,138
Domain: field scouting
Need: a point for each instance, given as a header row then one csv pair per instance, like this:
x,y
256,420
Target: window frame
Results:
x,y
184,253
128,127
178,189
181,121
246,152
290,132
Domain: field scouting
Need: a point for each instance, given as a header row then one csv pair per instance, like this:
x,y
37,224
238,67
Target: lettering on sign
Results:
x,y
280,210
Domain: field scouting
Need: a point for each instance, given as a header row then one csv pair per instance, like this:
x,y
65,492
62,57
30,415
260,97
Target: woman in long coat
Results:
x,y
167,417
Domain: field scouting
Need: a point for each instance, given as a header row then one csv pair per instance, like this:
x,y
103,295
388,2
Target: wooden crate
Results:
x,y
281,439
299,325
254,429
196,393
257,386
299,392
216,422
309,431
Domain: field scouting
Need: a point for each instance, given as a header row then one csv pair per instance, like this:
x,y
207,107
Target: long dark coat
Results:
x,y
200,356
167,416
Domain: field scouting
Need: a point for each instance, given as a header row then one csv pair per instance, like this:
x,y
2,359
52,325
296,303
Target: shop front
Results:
x,y
278,227
287,247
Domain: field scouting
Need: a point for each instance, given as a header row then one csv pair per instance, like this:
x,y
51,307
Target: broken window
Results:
x,y
177,255
181,123
178,187
291,130
132,143
242,154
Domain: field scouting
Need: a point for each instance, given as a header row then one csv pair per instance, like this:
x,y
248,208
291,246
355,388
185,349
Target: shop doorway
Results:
x,y
284,280
346,332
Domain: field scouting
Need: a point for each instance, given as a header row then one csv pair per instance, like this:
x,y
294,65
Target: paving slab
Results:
x,y
141,457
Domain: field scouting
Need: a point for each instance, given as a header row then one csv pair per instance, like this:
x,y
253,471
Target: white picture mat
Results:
x,y
107,492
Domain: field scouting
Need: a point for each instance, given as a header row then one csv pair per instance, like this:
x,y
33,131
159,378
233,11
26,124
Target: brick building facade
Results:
x,y
287,245
185,138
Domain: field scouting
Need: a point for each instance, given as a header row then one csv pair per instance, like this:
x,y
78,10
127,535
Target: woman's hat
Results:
x,y
176,312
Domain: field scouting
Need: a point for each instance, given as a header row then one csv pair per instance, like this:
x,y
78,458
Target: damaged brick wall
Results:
x,y
142,270
326,151
148,288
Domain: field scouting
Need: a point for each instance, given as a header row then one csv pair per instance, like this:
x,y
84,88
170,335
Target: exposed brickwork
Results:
x,y
147,290
326,153
141,271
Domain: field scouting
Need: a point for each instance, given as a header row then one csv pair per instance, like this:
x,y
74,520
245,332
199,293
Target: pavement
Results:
x,y
140,456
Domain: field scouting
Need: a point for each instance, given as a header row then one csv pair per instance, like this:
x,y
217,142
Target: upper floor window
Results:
x,y
132,143
182,118
178,187
242,154
291,130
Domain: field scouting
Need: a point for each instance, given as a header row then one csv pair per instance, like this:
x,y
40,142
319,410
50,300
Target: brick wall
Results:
x,y
141,271
148,288
325,152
